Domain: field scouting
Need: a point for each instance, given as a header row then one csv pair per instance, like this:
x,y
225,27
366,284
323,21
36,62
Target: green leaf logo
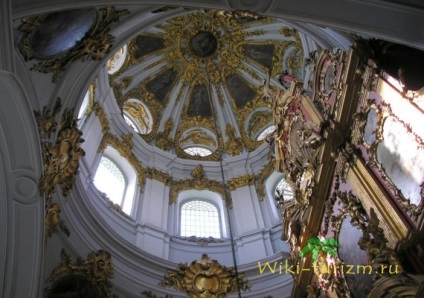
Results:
x,y
314,245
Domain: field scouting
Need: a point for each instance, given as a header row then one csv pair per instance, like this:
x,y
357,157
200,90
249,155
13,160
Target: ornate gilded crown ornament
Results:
x,y
205,278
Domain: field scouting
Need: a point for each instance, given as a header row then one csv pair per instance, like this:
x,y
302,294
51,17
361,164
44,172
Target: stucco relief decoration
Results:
x,y
199,182
261,178
153,108
234,145
205,278
61,159
198,130
79,34
202,241
53,221
141,114
163,139
82,278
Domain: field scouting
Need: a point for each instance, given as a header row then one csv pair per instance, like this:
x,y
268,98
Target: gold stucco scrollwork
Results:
x,y
160,176
101,115
61,159
198,122
53,220
91,275
237,182
205,278
261,178
163,139
94,46
199,182
47,119
234,145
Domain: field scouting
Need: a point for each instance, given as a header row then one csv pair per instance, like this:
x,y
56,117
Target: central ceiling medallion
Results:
x,y
203,44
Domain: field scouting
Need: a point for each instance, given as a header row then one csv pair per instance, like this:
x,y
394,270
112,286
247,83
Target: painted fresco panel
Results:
x,y
146,45
162,84
199,104
239,90
371,127
402,159
262,54
350,253
60,32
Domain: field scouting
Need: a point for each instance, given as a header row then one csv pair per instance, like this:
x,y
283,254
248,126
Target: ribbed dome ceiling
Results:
x,y
194,81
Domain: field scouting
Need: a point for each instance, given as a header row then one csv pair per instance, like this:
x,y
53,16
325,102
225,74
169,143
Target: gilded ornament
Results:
x,y
94,46
160,176
47,119
198,136
201,123
258,121
202,241
199,182
138,113
237,182
154,107
233,145
163,139
261,178
345,157
96,271
101,115
53,220
205,278
193,66
353,208
61,160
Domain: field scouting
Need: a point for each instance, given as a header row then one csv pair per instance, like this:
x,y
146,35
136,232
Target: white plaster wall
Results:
x,y
22,207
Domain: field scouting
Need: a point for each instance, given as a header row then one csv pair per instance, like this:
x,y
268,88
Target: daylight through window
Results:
x,y
284,187
199,151
110,180
201,219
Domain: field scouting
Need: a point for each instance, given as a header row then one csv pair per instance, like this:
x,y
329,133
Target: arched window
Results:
x,y
197,151
267,131
110,180
283,188
131,123
201,219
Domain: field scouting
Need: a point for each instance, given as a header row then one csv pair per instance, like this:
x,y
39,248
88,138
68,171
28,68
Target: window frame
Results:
x,y
128,202
202,195
180,209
